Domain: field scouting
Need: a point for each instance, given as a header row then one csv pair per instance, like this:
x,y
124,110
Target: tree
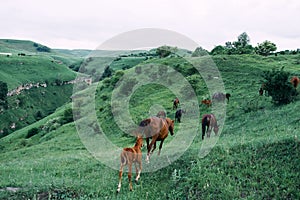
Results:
x,y
265,48
199,51
242,45
218,50
3,94
107,72
243,40
165,51
277,85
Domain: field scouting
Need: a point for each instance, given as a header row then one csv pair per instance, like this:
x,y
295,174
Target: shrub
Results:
x,y
277,85
67,116
32,132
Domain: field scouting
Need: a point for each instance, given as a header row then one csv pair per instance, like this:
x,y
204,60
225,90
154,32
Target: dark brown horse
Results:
x,y
128,157
209,121
175,103
158,129
219,96
178,115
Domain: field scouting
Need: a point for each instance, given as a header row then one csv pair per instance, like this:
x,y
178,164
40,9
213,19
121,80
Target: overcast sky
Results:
x,y
86,24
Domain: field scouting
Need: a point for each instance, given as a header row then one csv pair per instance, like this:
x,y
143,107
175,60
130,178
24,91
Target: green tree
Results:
x,y
165,51
277,85
3,94
242,45
199,51
265,48
218,50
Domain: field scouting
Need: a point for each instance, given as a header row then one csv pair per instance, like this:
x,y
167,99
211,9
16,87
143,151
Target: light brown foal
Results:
x,y
128,157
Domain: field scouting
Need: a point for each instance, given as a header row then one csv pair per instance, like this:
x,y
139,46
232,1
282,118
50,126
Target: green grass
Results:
x,y
256,156
17,70
33,104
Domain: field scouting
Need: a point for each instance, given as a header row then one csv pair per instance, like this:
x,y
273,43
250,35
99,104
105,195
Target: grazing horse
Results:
x,y
161,114
128,157
208,122
157,129
178,115
219,96
206,102
295,81
175,103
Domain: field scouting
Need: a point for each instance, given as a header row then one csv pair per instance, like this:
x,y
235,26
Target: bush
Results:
x,y
32,132
68,116
277,85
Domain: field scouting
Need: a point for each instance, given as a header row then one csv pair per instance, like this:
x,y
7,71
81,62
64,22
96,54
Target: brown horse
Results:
x,y
128,157
206,102
175,103
157,129
295,81
208,122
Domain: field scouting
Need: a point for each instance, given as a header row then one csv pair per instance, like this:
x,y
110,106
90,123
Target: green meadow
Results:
x,y
256,156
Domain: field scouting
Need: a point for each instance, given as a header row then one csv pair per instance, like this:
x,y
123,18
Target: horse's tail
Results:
x,y
123,158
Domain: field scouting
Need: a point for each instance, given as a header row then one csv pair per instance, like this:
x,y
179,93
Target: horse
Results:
x,y
208,122
206,102
161,114
295,81
157,129
128,157
175,103
178,115
219,96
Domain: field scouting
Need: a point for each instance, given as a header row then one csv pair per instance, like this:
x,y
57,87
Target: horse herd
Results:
x,y
158,127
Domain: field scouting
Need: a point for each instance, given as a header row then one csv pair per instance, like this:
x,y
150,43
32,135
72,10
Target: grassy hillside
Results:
x,y
35,103
18,70
256,156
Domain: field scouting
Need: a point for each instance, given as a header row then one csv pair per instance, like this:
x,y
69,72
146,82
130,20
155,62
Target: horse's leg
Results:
x,y
129,175
154,147
120,178
138,168
209,131
160,146
203,131
150,147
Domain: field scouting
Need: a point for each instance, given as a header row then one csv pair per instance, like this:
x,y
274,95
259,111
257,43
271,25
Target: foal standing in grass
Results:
x,y
128,157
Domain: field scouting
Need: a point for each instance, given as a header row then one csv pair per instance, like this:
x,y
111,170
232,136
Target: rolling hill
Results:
x,y
34,82
255,157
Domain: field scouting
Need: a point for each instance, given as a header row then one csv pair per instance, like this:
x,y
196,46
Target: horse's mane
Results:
x,y
145,122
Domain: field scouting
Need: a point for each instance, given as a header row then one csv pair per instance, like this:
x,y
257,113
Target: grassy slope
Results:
x,y
37,68
257,155
17,70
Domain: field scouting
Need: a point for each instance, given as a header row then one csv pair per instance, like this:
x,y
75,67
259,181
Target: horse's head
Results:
x,y
216,129
171,125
